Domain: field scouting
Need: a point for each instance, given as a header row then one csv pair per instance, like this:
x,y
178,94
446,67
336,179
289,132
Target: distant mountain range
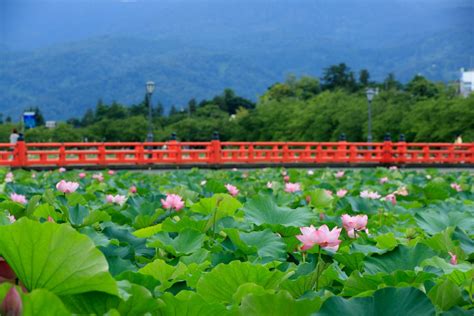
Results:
x,y
70,55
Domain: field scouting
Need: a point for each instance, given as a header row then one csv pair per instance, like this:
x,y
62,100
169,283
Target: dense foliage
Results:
x,y
299,109
237,242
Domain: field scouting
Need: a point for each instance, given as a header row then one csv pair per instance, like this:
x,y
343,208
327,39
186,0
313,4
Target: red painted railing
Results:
x,y
221,153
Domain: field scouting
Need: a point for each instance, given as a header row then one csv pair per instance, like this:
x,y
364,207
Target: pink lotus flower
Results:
x,y
383,180
341,193
173,201
401,191
292,187
232,189
67,186
328,239
19,198
393,168
11,218
9,177
62,169
339,174
323,237
50,219
269,185
352,224
328,192
98,176
370,195
310,172
456,187
307,238
284,173
286,178
391,198
116,199
133,189
82,175
111,172
12,304
454,258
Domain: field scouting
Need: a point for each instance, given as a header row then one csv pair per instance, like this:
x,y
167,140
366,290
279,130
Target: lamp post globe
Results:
x,y
150,87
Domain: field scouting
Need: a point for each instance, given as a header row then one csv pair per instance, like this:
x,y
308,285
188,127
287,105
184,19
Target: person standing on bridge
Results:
x,y
458,140
14,137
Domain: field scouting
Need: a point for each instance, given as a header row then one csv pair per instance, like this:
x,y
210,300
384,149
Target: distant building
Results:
x,y
50,124
466,84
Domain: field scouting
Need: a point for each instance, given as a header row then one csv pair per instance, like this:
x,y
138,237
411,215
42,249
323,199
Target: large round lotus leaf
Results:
x,y
264,210
223,281
54,257
389,301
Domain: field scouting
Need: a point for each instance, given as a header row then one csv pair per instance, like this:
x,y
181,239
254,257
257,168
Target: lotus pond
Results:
x,y
237,242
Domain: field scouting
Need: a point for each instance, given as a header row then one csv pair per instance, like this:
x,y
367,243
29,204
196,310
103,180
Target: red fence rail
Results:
x,y
221,153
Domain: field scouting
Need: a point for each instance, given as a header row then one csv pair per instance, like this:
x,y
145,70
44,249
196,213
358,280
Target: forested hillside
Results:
x,y
63,56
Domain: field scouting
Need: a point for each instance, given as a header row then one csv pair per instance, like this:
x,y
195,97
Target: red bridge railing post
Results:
x,y
387,152
215,152
19,154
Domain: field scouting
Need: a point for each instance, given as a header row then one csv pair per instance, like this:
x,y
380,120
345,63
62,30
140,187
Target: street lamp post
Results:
x,y
150,87
370,92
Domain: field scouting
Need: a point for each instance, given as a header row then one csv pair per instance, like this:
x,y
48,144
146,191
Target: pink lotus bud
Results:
x,y
383,180
82,175
393,168
269,185
111,172
133,189
12,304
50,219
286,178
391,198
454,258
308,199
62,169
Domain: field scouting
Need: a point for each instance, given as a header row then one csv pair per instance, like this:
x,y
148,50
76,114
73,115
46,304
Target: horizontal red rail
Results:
x,y
216,152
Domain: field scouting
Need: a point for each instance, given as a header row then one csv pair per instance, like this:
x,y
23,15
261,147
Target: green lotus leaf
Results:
x,y
279,304
265,243
401,258
189,303
263,210
222,282
436,221
43,302
387,301
187,241
70,265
